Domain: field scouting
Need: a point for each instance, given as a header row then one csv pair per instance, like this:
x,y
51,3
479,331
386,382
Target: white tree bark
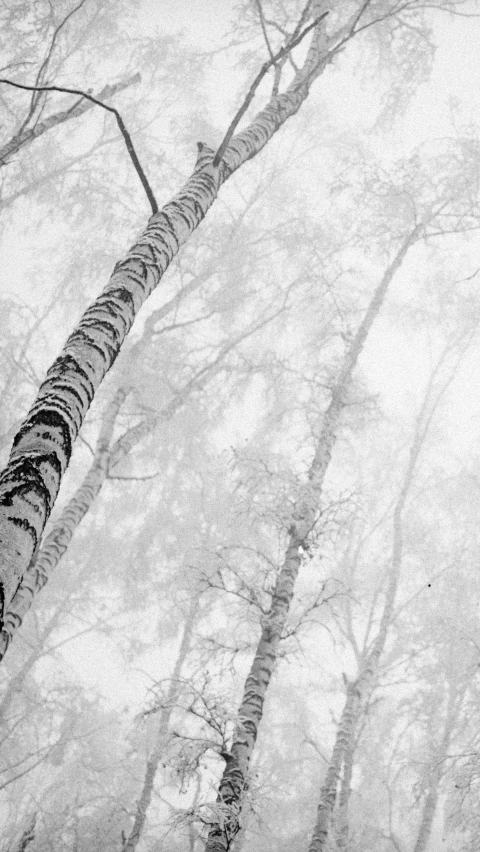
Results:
x,y
328,793
235,776
105,459
365,683
42,448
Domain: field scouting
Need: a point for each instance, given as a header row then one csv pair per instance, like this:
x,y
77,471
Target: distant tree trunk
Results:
x,y
15,682
42,448
235,775
365,682
345,790
438,770
145,797
428,814
328,793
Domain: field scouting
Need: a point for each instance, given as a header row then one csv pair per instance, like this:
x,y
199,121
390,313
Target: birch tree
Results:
x,y
43,445
304,517
360,690
55,419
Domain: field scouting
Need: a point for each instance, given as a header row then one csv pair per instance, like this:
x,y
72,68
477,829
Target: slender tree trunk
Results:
x,y
235,775
161,735
429,808
345,790
15,682
328,793
364,684
42,447
431,800
57,541
105,460
330,420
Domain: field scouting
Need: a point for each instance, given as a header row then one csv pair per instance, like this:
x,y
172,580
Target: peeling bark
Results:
x,y
42,448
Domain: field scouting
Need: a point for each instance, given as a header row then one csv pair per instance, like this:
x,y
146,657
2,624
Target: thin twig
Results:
x,y
123,129
302,19
258,4
44,66
253,88
78,107
134,478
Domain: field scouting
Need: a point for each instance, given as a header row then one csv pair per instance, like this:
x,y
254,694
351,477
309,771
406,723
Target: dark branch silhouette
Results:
x,y
123,129
296,39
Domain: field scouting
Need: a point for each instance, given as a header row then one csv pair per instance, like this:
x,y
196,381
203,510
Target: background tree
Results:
x,y
198,443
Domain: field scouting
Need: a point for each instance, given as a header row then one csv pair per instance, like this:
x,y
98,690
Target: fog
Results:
x,y
239,426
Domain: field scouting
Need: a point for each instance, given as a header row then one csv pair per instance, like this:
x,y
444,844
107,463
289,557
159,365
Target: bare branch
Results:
x,y
284,51
264,29
79,107
44,66
123,129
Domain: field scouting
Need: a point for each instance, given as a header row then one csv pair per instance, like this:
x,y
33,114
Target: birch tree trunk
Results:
x,y
431,800
345,790
365,682
428,815
235,776
42,448
328,793
161,735
105,459
56,543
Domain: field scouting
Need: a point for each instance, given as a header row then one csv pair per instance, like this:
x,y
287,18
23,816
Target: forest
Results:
x,y
240,426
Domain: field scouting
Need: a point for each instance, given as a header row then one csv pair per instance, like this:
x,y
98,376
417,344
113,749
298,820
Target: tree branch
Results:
x,y
264,30
284,51
79,107
121,125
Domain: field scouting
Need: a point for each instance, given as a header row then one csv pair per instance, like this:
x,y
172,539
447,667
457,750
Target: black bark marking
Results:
x,y
27,470
61,386
123,295
86,340
66,363
49,418
24,525
103,347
